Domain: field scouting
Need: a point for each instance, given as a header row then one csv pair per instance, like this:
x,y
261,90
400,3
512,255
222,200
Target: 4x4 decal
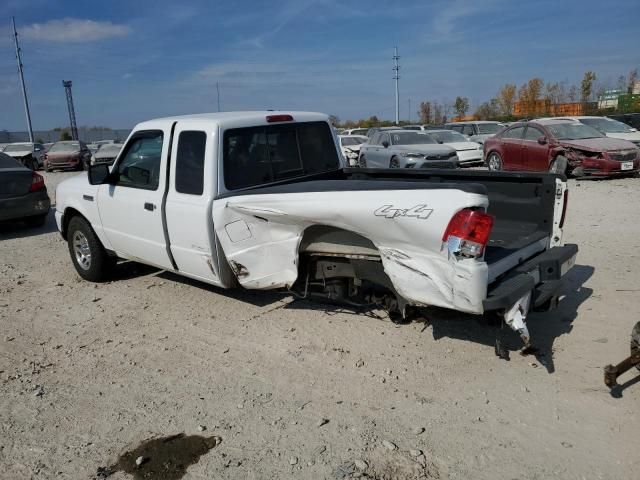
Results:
x,y
389,211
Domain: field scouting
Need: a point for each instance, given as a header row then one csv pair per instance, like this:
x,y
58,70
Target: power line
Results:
x,y
396,77
24,88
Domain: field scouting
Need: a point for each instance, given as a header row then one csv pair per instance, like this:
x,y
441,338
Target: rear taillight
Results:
x,y
468,232
37,182
565,200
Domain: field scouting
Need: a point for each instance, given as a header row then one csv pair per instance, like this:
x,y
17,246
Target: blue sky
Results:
x,y
134,60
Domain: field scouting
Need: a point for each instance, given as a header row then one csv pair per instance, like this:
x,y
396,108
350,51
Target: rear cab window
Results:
x,y
190,162
266,154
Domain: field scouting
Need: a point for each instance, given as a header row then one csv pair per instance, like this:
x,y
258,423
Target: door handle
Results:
x,y
149,206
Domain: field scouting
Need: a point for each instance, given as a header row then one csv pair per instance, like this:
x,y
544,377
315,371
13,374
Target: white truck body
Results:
x,y
262,236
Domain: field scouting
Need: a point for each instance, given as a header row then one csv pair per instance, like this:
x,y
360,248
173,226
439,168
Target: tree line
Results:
x,y
501,107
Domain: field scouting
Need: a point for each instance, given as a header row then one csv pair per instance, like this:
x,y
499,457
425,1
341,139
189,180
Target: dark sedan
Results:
x,y
67,154
23,194
560,146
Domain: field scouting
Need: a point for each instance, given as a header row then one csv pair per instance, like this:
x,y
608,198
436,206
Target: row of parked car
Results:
x,y
577,146
62,155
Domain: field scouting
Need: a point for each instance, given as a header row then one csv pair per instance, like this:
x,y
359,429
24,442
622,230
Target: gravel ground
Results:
x,y
266,387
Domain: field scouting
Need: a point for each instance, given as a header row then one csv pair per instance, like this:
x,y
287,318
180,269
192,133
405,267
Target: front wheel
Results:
x,y
362,162
89,257
494,162
394,162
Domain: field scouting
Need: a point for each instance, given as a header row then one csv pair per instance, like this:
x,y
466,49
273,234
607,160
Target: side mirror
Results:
x,y
385,144
98,174
542,140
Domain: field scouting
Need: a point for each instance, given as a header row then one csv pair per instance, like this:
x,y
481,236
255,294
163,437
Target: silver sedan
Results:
x,y
405,149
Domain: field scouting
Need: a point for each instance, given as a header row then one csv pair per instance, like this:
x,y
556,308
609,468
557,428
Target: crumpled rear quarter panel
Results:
x,y
260,235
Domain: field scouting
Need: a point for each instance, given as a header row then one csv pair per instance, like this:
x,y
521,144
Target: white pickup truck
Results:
x,y
264,200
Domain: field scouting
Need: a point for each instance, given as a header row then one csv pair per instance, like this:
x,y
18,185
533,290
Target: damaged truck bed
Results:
x,y
263,200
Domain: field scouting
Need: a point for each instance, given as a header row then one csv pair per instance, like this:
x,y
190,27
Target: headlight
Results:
x,y
411,155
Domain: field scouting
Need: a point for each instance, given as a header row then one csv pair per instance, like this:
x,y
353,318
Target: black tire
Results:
x,y
494,162
558,165
362,162
394,162
635,340
89,257
38,221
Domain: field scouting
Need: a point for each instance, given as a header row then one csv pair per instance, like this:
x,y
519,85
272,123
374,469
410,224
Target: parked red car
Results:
x,y
67,154
560,146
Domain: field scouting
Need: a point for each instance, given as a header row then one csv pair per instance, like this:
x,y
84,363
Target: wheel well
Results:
x,y
69,213
333,241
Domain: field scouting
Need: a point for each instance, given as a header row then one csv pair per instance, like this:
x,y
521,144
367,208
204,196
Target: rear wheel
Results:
x,y
494,162
394,162
362,162
89,257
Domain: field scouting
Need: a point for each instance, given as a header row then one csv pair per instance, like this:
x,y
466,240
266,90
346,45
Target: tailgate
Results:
x,y
541,274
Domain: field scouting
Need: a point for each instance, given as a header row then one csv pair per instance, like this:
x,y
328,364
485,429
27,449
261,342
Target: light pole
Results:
x,y
24,89
396,77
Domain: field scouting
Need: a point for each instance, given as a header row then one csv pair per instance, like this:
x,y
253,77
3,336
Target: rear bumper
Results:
x,y
30,205
542,275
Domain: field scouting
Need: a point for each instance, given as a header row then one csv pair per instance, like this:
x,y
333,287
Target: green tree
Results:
x,y
586,86
461,106
65,136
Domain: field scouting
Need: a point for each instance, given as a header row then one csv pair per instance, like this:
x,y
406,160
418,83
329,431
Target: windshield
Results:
x,y
606,126
448,137
359,131
17,147
347,141
573,131
109,148
488,128
65,147
410,138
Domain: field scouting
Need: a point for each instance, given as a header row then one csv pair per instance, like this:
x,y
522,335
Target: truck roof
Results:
x,y
233,119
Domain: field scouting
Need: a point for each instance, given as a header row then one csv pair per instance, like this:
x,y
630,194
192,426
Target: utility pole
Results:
x,y
24,89
72,113
409,111
396,77
218,90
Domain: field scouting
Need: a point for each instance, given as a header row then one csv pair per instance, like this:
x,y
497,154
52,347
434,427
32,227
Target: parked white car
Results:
x,y
262,200
610,128
469,153
31,155
355,131
477,131
350,146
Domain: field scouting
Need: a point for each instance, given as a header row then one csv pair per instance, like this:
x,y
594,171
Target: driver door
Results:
x,y
131,206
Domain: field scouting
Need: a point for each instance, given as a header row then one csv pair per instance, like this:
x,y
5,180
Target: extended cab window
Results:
x,y
140,164
190,162
259,155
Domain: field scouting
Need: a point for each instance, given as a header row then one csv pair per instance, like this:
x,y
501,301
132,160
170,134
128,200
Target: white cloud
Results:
x,y
68,30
